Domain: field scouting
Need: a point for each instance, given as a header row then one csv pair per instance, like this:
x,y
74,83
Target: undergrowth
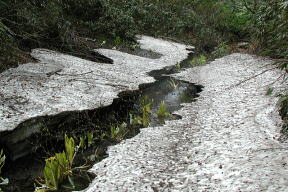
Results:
x,y
77,27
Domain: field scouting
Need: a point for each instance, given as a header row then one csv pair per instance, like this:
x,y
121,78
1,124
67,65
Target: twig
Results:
x,y
277,148
53,72
252,77
63,74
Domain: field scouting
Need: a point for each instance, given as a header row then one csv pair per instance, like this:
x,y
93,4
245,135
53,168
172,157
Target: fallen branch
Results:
x,y
252,77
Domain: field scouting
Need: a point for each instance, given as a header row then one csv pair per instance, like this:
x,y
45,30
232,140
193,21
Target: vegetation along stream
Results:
x,y
88,134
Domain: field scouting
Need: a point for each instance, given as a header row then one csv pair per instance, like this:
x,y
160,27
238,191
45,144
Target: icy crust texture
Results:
x,y
60,82
226,140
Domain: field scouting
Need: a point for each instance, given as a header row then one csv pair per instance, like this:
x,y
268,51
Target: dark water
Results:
x,y
173,92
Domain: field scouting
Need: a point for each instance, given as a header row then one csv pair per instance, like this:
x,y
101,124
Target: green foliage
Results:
x,y
283,103
162,112
146,110
64,162
178,67
118,132
270,36
8,50
90,138
59,167
117,41
145,107
136,121
269,91
60,24
173,84
270,28
221,50
201,60
86,140
54,24
52,174
2,162
70,149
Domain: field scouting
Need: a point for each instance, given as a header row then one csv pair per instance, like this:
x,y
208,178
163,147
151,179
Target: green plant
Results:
x,y
201,60
145,107
90,138
118,132
59,167
117,41
283,103
220,51
162,112
136,121
146,110
52,174
86,140
2,162
270,28
178,67
173,84
269,91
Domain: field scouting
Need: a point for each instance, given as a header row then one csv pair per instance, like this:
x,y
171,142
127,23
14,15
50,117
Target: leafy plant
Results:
x,y
117,41
118,132
270,27
90,138
136,121
269,91
220,51
146,110
145,107
87,140
59,167
283,103
173,84
178,67
2,162
52,174
201,60
162,112
70,149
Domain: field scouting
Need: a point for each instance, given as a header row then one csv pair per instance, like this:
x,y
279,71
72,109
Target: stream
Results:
x,y
23,171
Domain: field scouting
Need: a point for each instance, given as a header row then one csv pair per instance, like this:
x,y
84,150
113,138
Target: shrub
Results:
x,y
271,21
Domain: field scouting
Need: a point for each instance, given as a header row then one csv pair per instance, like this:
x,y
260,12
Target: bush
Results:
x,y
271,31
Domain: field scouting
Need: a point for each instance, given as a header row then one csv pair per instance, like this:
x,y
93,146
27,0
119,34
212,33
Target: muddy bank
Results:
x,y
225,141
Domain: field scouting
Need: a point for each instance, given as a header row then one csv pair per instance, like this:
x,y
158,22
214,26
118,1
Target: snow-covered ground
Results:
x,y
226,141
60,82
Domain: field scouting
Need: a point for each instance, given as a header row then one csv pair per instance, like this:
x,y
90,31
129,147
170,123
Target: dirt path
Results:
x,y
226,141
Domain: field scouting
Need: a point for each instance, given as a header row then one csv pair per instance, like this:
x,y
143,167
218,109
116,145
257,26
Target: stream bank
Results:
x,y
98,122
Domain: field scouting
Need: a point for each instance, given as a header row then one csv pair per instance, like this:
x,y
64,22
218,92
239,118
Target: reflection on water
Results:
x,y
170,90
